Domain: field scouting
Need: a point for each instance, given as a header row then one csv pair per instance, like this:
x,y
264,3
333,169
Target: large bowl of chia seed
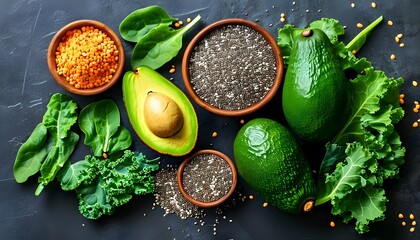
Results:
x,y
232,67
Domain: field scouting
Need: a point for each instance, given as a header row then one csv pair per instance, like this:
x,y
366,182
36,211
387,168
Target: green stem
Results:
x,y
360,39
191,24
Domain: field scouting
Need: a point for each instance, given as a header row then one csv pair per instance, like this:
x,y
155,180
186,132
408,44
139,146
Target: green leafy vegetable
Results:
x,y
57,157
100,122
156,40
103,185
60,116
367,150
140,22
50,144
31,154
159,46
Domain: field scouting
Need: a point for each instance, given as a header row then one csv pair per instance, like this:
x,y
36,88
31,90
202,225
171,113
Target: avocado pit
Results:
x,y
162,115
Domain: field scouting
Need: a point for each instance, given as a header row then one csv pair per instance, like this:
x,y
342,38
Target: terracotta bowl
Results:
x,y
77,25
213,203
276,82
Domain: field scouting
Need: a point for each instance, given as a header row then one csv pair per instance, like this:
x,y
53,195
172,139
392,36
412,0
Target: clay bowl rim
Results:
x,y
268,38
57,39
220,200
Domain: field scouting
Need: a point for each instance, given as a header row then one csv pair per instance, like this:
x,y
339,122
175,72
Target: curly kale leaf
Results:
x,y
104,184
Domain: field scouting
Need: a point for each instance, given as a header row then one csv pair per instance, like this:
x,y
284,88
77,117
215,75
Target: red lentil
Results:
x,y
86,57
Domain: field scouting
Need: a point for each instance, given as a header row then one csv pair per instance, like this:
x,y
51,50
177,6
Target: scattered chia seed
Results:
x,y
207,177
232,68
168,196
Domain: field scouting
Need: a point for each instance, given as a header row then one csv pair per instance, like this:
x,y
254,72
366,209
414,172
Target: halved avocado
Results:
x,y
136,86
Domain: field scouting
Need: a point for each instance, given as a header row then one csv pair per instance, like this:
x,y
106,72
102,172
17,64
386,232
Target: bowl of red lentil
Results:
x,y
232,67
86,57
207,178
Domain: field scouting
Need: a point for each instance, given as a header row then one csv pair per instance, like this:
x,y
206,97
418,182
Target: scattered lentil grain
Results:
x,y
415,83
403,223
402,45
359,25
332,224
207,177
412,229
251,197
188,20
400,35
232,67
415,124
397,40
393,57
214,134
411,216
400,216
390,23
414,223
353,5
265,204
373,4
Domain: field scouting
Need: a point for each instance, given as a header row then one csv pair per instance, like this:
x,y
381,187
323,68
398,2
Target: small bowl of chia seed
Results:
x,y
207,178
232,67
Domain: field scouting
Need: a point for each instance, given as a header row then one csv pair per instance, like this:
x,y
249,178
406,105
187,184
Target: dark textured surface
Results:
x,y
26,28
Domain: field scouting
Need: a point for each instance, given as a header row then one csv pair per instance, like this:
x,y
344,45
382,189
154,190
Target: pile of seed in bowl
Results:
x,y
207,178
232,67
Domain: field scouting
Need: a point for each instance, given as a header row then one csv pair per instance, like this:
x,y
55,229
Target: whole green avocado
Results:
x,y
271,161
315,93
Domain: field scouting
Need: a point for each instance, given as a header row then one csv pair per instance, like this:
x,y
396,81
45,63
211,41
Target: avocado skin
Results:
x,y
271,161
315,93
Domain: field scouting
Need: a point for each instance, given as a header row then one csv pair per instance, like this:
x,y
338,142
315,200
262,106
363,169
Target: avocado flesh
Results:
x,y
136,85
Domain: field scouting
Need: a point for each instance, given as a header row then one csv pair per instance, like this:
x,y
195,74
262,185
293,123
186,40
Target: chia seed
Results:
x,y
232,68
168,196
207,177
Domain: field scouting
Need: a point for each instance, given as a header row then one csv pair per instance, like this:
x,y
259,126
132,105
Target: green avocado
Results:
x,y
271,161
315,92
138,87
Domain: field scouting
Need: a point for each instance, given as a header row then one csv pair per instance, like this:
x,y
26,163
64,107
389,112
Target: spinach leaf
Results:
x,y
100,122
56,159
31,154
60,115
160,45
120,141
50,144
138,23
360,39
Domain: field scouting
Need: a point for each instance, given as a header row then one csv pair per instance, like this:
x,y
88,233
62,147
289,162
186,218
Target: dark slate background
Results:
x,y
26,28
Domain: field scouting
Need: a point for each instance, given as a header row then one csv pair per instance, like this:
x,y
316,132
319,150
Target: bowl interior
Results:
x,y
203,33
213,203
56,41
